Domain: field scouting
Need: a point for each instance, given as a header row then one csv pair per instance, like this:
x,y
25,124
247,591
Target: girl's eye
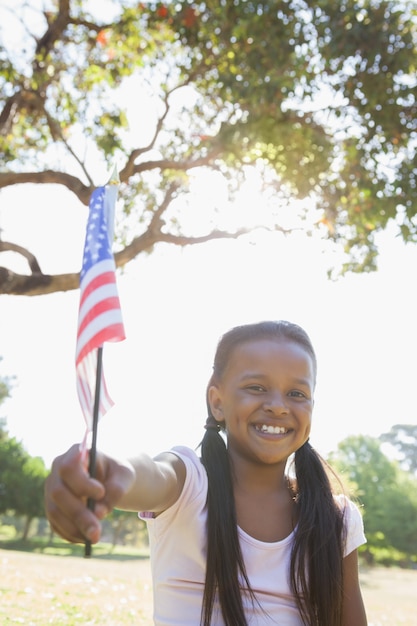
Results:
x,y
297,394
257,388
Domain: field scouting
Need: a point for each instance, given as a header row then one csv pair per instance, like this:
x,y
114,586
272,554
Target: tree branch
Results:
x,y
37,284
15,284
129,168
30,258
55,29
8,113
56,133
157,223
146,241
83,192
167,164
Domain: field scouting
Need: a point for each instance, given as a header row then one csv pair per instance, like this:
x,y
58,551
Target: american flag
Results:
x,y
100,317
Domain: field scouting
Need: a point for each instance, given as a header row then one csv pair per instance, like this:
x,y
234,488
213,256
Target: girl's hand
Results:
x,y
69,486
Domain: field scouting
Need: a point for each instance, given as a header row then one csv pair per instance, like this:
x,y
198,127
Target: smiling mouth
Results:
x,y
271,430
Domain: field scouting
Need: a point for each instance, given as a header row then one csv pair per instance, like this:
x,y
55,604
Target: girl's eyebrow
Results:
x,y
297,381
302,381
253,375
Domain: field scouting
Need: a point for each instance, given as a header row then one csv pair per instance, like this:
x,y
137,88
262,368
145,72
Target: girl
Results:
x,y
238,537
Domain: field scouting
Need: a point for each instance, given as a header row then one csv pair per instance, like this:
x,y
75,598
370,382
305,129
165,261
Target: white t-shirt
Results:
x,y
178,559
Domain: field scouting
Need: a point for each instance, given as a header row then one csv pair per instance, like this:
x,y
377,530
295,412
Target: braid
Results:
x,y
316,559
224,558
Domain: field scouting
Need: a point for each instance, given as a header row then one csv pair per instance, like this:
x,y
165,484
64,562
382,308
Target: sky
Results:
x,y
176,303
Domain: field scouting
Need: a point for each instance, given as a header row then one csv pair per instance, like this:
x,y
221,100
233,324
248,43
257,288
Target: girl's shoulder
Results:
x,y
346,504
354,535
186,453
193,465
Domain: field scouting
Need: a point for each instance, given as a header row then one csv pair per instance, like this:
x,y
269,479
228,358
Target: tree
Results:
x,y
12,459
318,96
30,500
403,438
124,528
21,481
10,450
5,386
388,495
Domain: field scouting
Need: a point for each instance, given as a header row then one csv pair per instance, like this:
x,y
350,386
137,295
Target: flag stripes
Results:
x,y
99,318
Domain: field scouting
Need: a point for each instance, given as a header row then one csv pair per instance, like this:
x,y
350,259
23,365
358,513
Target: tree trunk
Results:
x,y
26,528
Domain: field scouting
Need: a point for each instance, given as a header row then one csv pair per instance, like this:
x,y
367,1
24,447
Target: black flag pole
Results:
x,y
93,449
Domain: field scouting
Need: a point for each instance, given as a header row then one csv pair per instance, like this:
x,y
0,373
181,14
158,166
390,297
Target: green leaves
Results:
x,y
387,493
321,93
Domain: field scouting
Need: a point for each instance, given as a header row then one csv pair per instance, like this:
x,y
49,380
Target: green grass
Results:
x,y
59,547
113,588
108,590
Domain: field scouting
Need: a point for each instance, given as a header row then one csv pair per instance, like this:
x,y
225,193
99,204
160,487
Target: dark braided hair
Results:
x,y
317,554
316,560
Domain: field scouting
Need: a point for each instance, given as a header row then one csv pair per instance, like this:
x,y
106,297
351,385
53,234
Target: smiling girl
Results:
x,y
236,537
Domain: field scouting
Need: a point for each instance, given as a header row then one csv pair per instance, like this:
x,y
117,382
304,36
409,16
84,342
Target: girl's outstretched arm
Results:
x,y
353,607
141,484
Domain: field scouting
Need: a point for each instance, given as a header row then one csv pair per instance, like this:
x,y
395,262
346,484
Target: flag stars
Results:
x,y
97,245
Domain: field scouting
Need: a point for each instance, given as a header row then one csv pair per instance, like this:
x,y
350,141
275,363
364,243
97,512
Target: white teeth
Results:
x,y
273,430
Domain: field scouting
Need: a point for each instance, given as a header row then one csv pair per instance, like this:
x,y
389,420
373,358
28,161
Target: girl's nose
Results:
x,y
275,403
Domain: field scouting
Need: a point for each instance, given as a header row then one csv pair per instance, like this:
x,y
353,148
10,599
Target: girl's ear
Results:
x,y
215,402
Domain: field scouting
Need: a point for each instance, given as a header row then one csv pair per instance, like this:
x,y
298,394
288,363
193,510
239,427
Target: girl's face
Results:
x,y
265,400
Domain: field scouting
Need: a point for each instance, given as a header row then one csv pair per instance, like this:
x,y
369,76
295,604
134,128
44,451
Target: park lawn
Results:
x,y
390,596
40,589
